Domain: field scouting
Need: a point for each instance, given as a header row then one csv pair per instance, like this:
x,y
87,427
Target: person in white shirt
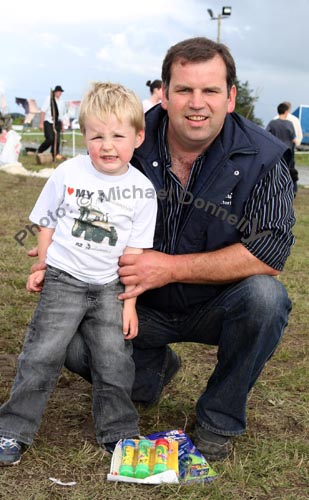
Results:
x,y
51,121
296,122
93,209
155,88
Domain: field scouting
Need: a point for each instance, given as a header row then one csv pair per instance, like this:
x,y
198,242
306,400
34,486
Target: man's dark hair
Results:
x,y
198,49
282,108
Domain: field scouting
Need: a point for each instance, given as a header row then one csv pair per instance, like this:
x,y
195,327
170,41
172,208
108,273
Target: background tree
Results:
x,y
245,101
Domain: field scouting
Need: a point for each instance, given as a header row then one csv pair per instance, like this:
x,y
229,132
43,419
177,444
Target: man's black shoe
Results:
x,y
172,367
212,446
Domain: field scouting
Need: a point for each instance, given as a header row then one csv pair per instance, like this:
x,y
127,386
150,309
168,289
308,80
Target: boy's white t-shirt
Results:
x,y
95,217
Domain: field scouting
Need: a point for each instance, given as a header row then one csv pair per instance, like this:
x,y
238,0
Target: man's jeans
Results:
x,y
246,322
65,305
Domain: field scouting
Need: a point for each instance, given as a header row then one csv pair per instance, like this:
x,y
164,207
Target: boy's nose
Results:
x,y
107,145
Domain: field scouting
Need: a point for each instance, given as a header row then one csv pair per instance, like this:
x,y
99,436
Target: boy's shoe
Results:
x,y
109,447
212,446
10,451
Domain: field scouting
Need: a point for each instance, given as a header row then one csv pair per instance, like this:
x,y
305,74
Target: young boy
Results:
x,y
92,209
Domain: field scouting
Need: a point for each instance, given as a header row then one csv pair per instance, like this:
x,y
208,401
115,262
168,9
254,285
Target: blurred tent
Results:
x,y
3,107
30,107
302,113
71,114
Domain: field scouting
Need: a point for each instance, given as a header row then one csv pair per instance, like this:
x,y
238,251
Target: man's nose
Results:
x,y
197,100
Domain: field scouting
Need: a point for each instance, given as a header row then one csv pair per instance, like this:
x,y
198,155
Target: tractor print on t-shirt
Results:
x,y
94,224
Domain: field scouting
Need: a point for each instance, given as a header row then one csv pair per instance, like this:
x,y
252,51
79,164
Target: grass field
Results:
x,y
34,137
270,461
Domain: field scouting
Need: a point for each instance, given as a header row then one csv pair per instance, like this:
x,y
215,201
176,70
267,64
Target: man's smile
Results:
x,y
197,118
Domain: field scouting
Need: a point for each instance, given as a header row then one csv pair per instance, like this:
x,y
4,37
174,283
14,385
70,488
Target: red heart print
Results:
x,y
70,190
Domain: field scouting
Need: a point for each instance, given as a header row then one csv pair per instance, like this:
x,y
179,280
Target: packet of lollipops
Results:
x,y
192,465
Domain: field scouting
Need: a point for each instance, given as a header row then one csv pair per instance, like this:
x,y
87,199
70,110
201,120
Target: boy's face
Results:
x,y
111,143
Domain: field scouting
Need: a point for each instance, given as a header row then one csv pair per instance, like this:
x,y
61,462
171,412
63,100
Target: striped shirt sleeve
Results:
x,y
268,235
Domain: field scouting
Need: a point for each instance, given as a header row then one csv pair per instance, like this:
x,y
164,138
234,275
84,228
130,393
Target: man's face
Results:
x,y
197,103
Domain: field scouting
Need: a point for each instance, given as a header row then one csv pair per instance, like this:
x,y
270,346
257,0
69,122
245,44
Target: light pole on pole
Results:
x,y
226,12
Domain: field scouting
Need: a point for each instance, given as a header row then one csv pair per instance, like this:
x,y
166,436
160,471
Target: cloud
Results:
x,y
74,49
127,55
127,41
47,39
33,13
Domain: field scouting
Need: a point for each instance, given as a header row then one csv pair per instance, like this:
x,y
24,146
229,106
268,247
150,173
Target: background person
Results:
x,y
51,117
283,129
296,123
155,94
223,233
86,231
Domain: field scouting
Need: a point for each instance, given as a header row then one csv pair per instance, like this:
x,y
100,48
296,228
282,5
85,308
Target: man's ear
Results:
x,y
164,97
232,100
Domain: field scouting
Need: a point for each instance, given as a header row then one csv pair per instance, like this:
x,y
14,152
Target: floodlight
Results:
x,y
226,11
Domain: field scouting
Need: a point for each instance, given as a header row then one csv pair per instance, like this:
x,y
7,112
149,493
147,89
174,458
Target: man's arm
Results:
x,y
155,269
268,238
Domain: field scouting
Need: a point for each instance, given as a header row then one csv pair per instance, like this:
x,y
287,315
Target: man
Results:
x,y
51,122
296,123
283,129
223,233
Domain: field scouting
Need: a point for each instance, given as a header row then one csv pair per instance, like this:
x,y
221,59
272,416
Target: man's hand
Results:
x,y
145,271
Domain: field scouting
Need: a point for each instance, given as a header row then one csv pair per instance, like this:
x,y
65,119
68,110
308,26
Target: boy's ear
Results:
x,y
140,136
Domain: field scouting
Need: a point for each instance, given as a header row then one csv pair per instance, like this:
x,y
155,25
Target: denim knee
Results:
x,y
267,296
77,357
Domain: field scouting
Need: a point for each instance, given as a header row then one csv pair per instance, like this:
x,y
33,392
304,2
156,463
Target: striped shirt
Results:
x,y
176,191
269,210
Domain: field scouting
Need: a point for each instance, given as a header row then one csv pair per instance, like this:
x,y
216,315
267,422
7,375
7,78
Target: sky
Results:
x,y
72,44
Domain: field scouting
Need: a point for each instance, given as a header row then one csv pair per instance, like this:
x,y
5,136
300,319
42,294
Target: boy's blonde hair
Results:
x,y
104,99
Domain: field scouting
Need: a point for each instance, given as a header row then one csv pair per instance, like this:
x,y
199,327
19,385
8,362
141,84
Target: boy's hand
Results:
x,y
35,281
33,252
129,323
38,266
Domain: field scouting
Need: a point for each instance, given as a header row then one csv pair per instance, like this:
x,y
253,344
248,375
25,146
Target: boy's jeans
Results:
x,y
246,322
65,305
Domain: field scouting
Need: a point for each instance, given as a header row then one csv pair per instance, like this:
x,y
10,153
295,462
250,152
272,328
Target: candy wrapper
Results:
x,y
178,462
161,464
192,465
